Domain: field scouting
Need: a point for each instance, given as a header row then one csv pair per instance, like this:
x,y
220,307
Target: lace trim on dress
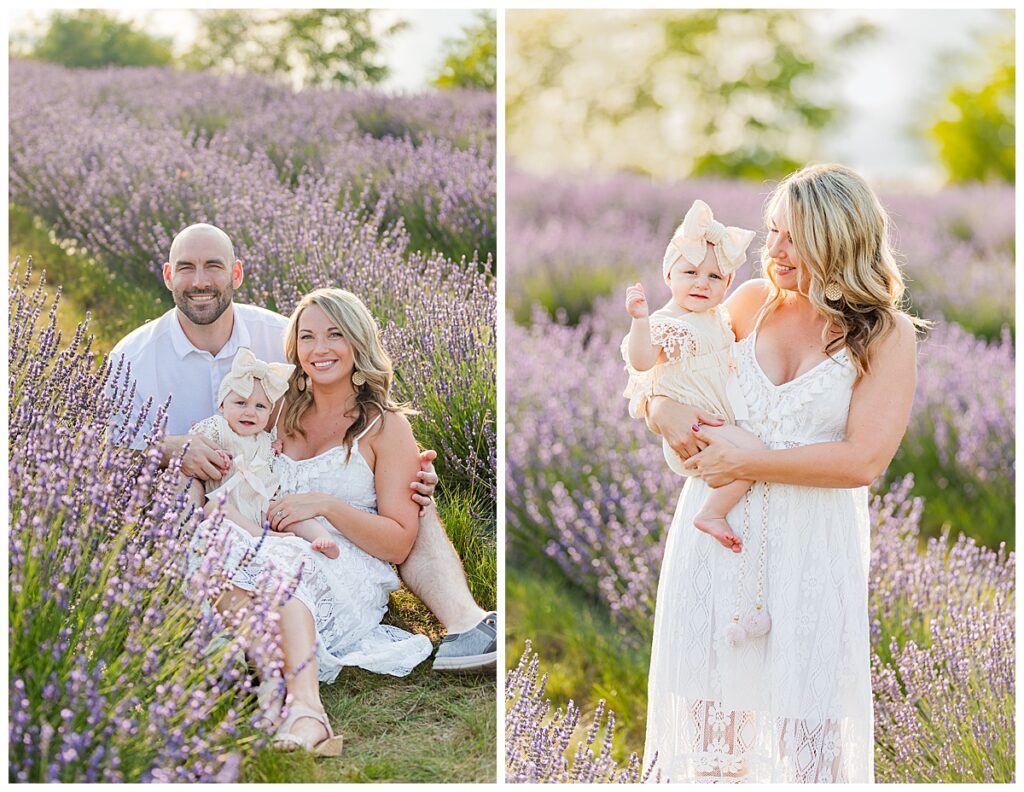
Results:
x,y
674,337
723,744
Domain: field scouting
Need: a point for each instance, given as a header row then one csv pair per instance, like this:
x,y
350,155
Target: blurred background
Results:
x,y
616,122
902,96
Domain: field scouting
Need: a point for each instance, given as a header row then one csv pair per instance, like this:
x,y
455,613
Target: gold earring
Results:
x,y
302,383
358,379
833,292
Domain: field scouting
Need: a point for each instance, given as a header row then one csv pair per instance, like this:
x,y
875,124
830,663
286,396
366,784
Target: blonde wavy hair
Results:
x,y
348,313
841,234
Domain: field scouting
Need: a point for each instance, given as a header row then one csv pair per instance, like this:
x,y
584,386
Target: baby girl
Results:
x,y
246,400
684,349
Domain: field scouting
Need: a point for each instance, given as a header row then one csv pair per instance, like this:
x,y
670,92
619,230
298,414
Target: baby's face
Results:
x,y
247,417
698,288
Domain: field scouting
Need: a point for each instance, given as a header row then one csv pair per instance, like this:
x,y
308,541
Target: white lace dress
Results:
x,y
794,705
348,596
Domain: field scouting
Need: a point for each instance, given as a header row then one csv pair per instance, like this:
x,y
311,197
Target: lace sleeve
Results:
x,y
208,428
674,337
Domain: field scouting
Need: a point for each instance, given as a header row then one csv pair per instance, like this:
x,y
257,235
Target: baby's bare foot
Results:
x,y
718,527
326,546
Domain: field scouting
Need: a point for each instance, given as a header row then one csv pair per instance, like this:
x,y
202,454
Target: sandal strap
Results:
x,y
297,711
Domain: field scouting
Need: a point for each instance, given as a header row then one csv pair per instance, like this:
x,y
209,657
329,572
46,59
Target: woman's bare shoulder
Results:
x,y
744,303
393,427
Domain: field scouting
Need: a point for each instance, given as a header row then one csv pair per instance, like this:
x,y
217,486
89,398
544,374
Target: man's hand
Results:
x,y
426,481
204,460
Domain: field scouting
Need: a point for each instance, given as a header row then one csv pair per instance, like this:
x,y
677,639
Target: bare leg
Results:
x,y
297,636
297,640
711,517
317,535
231,513
434,573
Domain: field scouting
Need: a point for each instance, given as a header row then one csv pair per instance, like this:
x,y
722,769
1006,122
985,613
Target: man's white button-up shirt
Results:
x,y
165,363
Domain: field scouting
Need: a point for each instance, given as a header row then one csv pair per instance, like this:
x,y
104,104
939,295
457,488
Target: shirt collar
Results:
x,y
240,337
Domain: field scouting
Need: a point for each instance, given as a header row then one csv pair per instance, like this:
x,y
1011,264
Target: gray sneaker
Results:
x,y
471,650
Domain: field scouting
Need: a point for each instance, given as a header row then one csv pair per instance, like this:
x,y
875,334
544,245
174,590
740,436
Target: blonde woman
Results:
x,y
347,455
760,662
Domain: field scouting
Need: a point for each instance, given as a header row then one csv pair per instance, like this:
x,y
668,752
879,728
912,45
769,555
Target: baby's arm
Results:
x,y
641,351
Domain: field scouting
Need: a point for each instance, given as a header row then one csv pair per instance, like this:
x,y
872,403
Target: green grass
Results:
x,y
583,652
116,306
427,727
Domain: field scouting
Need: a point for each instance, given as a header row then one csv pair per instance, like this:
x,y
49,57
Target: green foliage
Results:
x,y
976,131
423,728
954,496
86,285
472,61
721,92
91,38
319,46
585,657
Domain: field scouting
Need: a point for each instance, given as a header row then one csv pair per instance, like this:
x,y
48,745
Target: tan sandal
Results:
x,y
284,740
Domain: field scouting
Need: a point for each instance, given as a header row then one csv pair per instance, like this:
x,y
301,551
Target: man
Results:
x,y
186,353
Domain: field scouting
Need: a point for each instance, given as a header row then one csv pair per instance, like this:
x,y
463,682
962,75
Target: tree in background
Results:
x,y
728,92
472,61
91,38
320,46
976,130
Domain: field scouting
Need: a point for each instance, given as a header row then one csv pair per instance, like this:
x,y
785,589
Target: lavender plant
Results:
x,y
942,667
577,239
310,200
960,441
102,157
537,746
942,626
118,671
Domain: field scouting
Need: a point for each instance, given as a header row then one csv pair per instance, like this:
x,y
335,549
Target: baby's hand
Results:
x,y
636,302
225,457
278,446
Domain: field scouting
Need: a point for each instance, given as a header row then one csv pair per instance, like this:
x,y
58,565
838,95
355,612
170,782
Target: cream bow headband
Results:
x,y
246,368
700,227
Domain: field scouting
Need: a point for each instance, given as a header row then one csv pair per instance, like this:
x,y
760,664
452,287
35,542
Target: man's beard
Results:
x,y
207,313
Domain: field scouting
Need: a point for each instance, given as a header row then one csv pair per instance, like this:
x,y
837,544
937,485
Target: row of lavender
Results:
x,y
119,159
380,195
577,239
103,640
587,488
942,627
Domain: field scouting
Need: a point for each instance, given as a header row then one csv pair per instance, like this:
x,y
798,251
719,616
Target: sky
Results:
x,y
413,55
886,82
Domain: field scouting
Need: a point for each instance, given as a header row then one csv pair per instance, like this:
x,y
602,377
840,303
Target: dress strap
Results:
x,y
369,426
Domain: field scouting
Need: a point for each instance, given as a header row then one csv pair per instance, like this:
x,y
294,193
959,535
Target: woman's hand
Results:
x,y
675,422
426,482
291,509
717,464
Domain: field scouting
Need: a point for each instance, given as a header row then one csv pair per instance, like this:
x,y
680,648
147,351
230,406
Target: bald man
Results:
x,y
186,353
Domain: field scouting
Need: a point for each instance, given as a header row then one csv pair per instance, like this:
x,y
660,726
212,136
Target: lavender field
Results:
x,y
391,197
589,497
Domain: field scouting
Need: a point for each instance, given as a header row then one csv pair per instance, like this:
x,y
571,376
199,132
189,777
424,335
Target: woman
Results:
x,y
826,360
347,456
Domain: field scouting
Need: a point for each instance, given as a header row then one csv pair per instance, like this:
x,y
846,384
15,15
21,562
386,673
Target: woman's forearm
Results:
x,y
379,536
837,465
